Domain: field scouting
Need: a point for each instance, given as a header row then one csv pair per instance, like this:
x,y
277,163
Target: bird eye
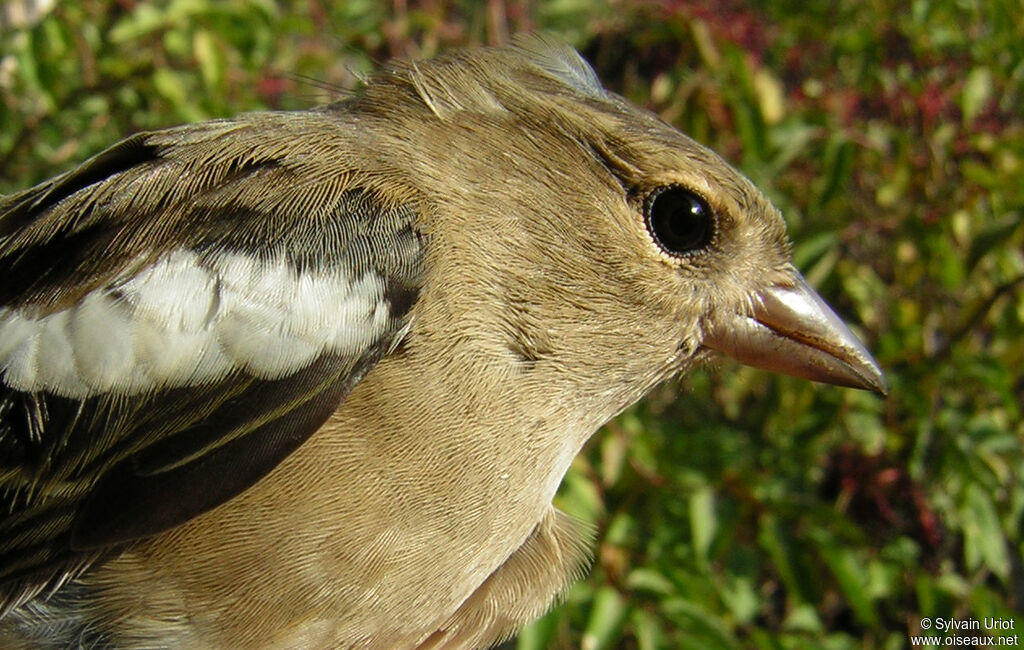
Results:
x,y
680,221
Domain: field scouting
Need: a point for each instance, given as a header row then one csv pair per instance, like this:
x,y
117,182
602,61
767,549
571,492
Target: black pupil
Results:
x,y
680,221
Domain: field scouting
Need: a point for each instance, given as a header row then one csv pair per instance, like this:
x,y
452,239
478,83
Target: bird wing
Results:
x,y
177,315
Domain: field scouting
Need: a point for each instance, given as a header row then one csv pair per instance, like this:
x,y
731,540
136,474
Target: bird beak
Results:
x,y
792,331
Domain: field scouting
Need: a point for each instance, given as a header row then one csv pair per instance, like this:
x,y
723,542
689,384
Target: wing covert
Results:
x,y
181,312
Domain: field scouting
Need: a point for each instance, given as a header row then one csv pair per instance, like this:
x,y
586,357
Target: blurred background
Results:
x,y
735,509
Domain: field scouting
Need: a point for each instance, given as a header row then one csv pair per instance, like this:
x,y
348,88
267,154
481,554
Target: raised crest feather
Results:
x,y
450,89
560,61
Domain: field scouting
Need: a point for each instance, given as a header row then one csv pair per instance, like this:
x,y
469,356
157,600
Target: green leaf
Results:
x,y
791,139
208,56
648,630
703,521
811,249
540,634
579,496
838,163
774,539
146,18
978,89
708,631
607,617
984,543
850,573
650,580
803,618
739,595
992,236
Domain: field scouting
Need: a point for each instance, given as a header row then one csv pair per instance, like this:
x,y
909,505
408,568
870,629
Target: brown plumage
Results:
x,y
310,380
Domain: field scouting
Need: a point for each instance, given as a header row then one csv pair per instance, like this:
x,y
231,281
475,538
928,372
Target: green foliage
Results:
x,y
735,509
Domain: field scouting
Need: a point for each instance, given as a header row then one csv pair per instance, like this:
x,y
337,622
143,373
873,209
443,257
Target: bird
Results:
x,y
311,379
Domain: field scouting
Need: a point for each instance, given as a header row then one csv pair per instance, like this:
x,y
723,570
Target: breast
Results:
x,y
370,529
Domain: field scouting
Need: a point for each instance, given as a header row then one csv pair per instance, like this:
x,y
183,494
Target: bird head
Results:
x,y
583,231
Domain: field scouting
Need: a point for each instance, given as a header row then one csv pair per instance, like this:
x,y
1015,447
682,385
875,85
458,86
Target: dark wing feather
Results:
x,y
90,461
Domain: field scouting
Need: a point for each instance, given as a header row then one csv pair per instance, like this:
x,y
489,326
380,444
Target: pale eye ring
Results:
x,y
680,221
